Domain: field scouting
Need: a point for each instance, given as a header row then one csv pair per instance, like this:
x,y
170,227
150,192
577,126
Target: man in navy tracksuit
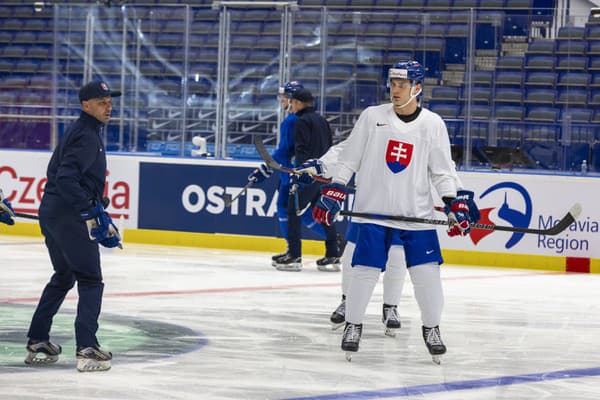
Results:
x,y
73,223
312,139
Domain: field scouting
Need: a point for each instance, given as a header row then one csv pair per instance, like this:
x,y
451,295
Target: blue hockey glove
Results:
x,y
6,212
301,181
469,198
306,171
260,174
101,229
459,219
311,166
329,204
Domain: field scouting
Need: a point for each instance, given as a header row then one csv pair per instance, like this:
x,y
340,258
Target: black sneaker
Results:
x,y
91,359
42,352
328,264
289,263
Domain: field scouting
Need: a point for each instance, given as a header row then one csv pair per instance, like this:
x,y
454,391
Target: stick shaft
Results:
x,y
563,224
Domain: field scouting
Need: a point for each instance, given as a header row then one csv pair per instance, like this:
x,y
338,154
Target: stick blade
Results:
x,y
575,211
227,199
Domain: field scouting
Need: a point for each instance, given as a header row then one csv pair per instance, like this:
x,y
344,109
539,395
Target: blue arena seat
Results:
x,y
509,63
439,4
510,95
577,115
594,98
573,79
508,78
573,47
406,30
572,96
592,32
479,95
466,3
545,63
379,29
542,114
547,79
540,96
478,112
571,33
571,63
541,46
509,113
445,110
444,93
593,47
480,78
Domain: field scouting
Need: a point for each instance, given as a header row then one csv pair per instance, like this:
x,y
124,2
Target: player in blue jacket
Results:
x,y
284,154
73,223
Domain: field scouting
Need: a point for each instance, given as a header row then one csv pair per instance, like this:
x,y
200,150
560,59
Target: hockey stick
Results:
x,y
563,224
26,216
271,163
228,199
105,204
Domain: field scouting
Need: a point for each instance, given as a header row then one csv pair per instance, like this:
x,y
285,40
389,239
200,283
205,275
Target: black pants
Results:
x,y
306,199
75,258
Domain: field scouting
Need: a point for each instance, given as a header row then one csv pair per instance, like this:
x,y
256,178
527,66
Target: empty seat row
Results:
x,y
516,113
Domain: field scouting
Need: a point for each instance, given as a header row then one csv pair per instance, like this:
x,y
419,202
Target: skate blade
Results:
x,y
40,359
289,268
88,365
437,359
349,355
391,332
329,268
335,327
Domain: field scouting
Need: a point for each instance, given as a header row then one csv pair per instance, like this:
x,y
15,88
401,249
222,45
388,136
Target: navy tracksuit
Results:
x,y
76,177
312,139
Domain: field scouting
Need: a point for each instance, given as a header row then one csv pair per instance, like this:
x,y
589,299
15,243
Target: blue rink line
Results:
x,y
460,385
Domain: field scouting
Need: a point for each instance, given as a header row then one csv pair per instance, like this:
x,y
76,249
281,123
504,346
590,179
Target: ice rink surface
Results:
x,y
187,323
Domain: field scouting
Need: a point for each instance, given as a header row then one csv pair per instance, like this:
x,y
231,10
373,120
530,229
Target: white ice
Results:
x,y
258,333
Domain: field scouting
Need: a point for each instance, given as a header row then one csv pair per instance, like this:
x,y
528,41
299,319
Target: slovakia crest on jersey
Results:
x,y
398,155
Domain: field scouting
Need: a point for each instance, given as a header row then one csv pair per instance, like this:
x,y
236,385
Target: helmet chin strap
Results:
x,y
412,96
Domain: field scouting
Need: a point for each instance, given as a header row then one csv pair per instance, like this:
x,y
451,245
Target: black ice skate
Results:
x,y
351,339
434,343
328,264
338,317
277,257
390,319
289,263
91,359
42,352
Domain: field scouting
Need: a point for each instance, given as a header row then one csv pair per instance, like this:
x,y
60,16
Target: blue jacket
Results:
x,y
77,170
284,153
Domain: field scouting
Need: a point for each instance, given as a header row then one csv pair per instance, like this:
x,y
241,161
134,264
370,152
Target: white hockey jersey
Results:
x,y
396,163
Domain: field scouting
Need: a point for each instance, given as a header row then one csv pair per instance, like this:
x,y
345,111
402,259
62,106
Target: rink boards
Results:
x,y
179,201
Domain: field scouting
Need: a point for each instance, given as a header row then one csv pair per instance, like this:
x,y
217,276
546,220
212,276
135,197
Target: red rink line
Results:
x,y
259,288
182,292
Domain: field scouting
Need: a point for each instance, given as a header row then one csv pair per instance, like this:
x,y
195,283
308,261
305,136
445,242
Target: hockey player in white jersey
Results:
x,y
395,269
398,151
